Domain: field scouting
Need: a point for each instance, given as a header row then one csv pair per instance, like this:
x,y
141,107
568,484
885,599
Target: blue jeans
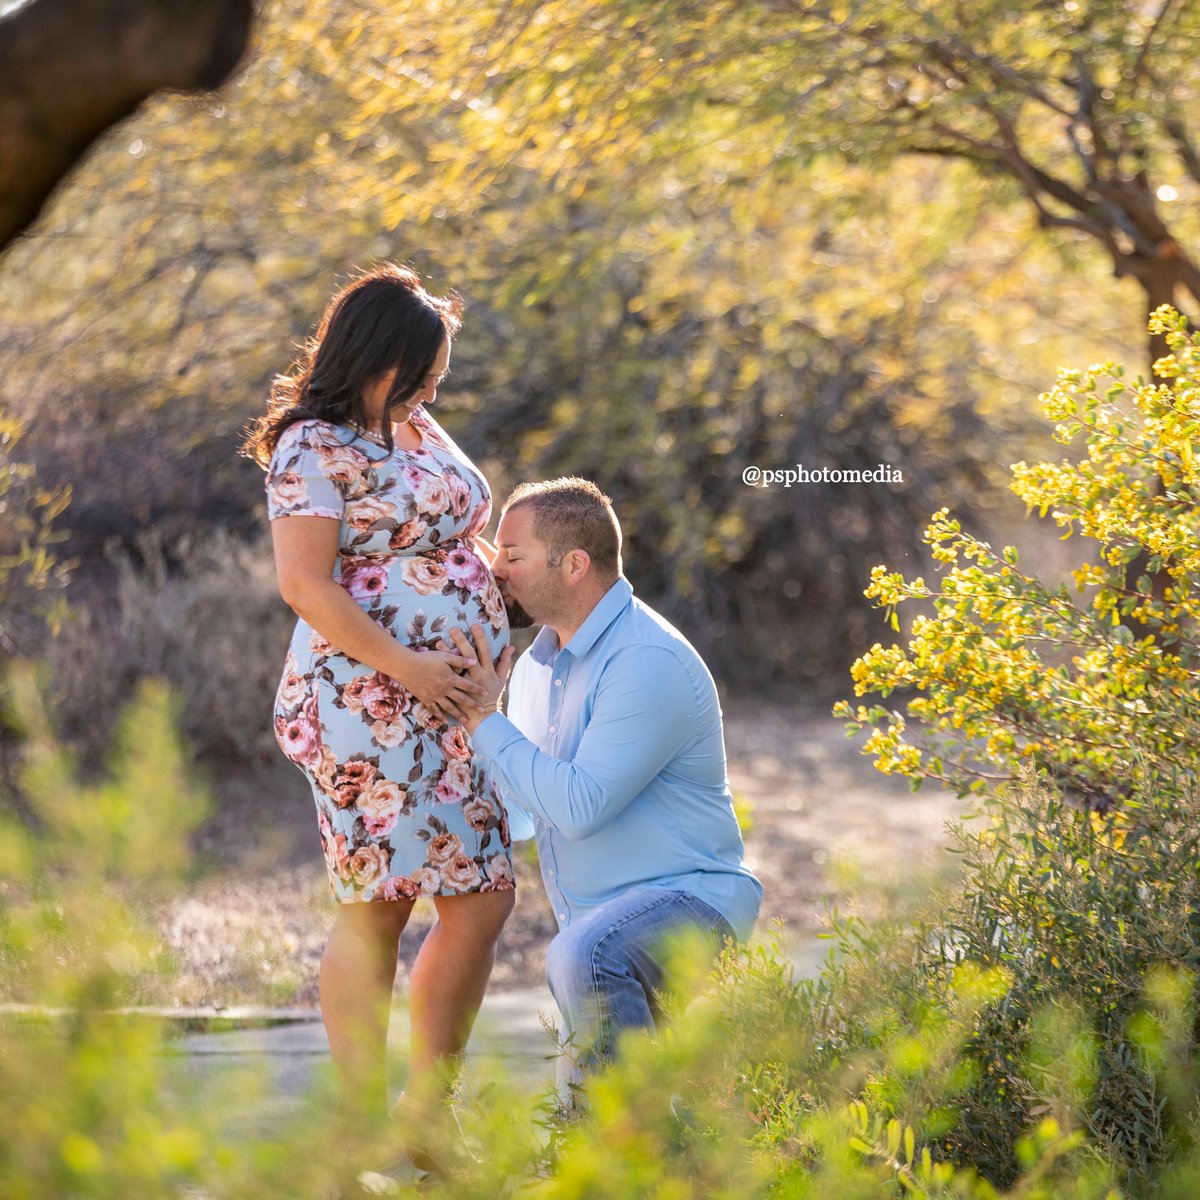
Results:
x,y
605,969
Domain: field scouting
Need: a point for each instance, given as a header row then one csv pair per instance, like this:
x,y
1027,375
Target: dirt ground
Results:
x,y
252,926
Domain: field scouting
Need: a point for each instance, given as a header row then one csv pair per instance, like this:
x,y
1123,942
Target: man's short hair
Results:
x,y
572,514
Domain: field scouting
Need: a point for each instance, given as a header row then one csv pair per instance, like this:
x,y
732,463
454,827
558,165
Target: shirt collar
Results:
x,y
607,609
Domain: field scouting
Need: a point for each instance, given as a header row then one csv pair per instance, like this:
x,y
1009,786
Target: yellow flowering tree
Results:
x,y
1096,685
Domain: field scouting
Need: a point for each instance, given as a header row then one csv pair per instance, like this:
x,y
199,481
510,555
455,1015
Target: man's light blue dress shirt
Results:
x,y
614,745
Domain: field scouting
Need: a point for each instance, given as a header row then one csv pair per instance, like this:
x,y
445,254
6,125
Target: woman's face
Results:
x,y
375,394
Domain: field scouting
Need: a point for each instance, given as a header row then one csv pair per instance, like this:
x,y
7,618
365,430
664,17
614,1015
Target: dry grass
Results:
x,y
206,617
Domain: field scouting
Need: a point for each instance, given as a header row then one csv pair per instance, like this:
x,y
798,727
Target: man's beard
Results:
x,y
518,618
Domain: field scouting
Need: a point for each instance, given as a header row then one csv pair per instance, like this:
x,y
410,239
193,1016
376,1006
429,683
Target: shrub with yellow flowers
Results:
x,y
1071,712
1094,685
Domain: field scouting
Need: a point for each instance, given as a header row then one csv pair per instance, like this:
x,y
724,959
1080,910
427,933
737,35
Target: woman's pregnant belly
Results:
x,y
420,597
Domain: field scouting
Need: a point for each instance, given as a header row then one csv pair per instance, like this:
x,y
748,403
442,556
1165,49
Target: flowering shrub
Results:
x,y
1098,691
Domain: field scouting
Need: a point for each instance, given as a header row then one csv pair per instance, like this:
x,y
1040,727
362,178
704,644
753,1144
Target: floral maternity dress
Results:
x,y
403,808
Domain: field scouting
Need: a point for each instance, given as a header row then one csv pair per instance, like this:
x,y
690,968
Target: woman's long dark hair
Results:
x,y
382,319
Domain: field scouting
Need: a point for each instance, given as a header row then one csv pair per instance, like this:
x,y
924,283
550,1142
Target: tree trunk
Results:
x,y
70,69
1161,285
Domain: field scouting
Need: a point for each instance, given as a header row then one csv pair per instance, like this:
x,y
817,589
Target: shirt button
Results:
x,y
562,916
553,728
558,683
550,872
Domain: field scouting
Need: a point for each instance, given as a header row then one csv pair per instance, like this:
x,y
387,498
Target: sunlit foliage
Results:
x,y
673,307
1009,669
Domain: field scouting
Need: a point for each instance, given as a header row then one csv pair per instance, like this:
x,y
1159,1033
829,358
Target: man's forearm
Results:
x,y
576,796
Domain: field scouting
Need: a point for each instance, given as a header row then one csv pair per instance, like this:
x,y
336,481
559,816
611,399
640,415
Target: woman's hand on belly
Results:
x,y
432,676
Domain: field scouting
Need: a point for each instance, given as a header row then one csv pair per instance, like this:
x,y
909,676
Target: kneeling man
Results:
x,y
614,744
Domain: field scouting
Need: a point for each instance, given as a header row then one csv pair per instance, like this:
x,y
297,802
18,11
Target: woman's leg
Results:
x,y
448,981
358,970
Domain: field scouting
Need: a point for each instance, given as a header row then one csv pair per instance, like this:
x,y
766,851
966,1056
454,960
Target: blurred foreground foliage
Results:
x,y
1009,669
96,1108
1027,1028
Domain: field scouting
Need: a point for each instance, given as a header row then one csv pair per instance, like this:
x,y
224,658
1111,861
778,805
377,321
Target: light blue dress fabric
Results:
x,y
404,806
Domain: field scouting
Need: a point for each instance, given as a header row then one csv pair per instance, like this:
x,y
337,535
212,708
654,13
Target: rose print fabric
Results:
x,y
403,808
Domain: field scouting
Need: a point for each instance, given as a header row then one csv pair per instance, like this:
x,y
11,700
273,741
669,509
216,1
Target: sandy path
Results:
x,y
818,805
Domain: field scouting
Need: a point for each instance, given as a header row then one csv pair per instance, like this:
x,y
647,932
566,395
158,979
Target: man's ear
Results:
x,y
578,564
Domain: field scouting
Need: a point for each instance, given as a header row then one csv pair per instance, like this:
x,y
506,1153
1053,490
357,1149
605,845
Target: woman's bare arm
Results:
x,y
305,551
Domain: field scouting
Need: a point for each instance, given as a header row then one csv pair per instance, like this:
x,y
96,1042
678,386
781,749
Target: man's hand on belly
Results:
x,y
489,673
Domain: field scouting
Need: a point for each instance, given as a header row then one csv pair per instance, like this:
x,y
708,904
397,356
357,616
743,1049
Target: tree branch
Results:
x,y
70,69
1140,66
1187,151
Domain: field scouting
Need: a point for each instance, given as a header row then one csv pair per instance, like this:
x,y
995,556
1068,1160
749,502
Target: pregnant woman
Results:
x,y
376,518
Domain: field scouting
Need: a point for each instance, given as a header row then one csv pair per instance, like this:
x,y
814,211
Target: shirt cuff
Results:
x,y
492,734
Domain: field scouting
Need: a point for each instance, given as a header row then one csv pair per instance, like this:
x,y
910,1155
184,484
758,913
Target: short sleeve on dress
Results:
x,y
301,475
